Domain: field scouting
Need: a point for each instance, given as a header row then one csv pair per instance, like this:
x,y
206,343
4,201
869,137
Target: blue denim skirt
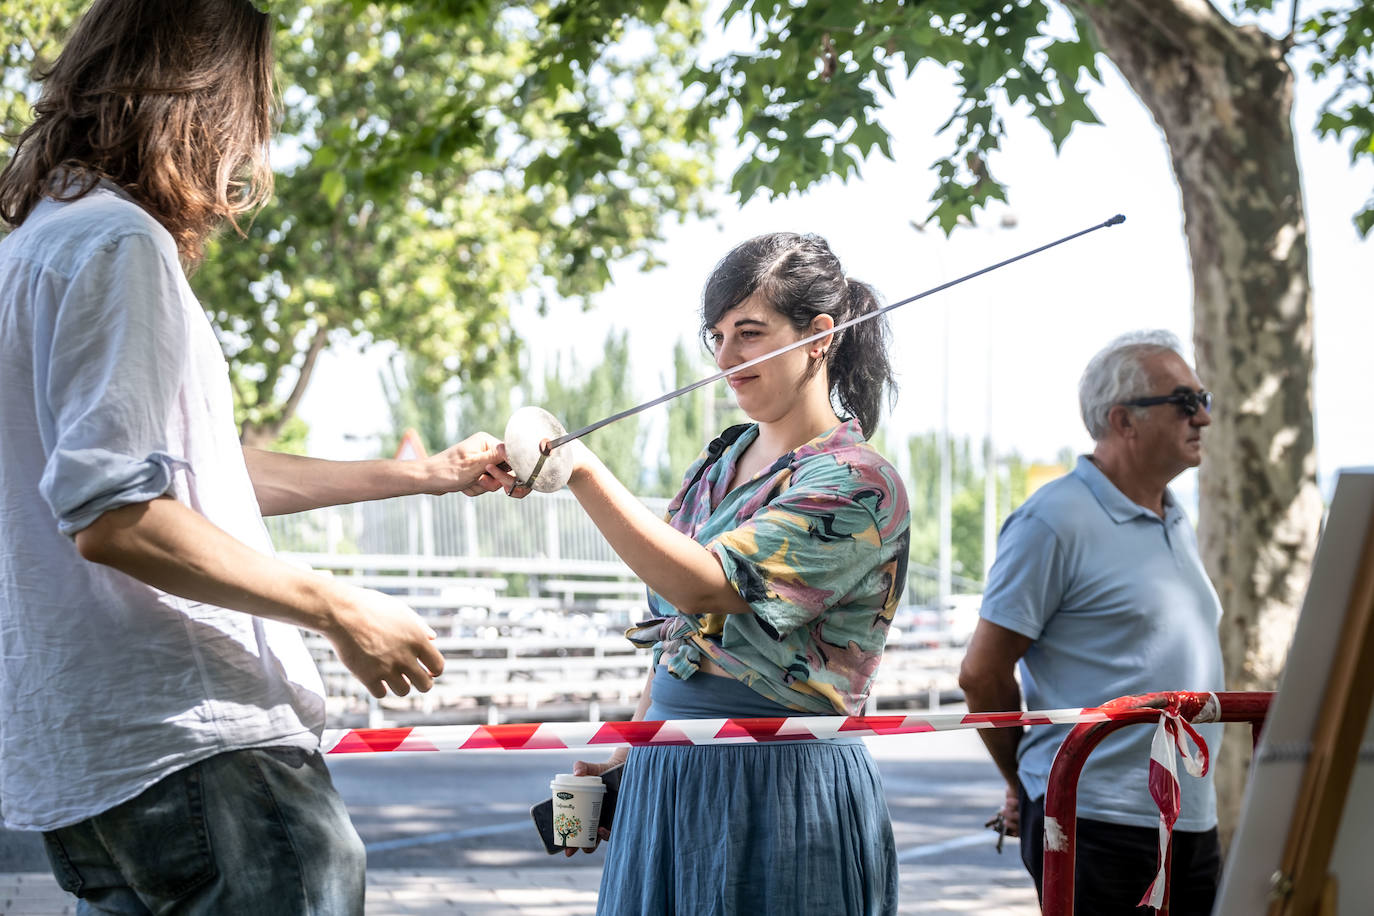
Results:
x,y
796,827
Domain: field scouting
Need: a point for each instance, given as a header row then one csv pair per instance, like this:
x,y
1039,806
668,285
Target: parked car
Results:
x,y
951,625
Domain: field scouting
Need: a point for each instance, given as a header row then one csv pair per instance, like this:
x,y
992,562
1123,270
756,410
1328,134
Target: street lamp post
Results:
x,y
1007,221
989,468
946,476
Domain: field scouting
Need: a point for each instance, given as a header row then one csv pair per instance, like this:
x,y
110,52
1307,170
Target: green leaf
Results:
x,y
1364,220
559,74
332,187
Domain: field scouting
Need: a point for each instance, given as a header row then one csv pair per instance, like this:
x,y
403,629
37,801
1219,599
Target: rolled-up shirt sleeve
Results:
x,y
108,387
801,555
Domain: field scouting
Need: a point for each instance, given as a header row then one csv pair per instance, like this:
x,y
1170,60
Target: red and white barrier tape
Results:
x,y
566,735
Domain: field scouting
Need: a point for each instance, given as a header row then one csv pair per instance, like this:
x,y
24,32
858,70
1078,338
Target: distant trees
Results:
x,y
579,395
433,169
576,395
967,495
693,419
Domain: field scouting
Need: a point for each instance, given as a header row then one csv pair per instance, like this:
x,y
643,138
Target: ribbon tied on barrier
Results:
x,y
1173,737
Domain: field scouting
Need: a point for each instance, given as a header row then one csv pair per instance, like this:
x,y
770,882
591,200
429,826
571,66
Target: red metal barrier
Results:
x,y
1061,795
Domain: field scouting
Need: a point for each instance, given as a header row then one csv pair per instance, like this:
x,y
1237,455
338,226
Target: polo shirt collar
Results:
x,y
1118,505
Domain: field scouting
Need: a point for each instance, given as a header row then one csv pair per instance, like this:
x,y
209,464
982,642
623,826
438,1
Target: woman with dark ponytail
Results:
x,y
772,583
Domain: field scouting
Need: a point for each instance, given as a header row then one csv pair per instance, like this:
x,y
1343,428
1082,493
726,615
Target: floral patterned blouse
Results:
x,y
817,545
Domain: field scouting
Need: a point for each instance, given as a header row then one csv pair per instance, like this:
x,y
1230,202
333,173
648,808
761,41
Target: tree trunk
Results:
x,y
1223,97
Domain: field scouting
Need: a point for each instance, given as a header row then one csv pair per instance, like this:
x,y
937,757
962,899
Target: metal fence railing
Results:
x,y
506,535
483,570
549,527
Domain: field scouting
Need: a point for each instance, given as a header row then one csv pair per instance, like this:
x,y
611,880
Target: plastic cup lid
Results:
x,y
569,781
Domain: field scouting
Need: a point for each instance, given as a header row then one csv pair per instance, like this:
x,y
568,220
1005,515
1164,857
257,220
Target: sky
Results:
x,y
1017,338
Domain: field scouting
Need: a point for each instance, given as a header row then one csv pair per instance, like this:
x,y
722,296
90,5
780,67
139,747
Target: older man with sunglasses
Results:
x,y
1098,592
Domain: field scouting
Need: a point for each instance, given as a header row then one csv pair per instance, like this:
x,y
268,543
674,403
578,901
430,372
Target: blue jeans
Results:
x,y
257,831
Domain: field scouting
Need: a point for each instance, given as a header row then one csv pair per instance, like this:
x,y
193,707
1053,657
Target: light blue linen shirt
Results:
x,y
116,392
1118,604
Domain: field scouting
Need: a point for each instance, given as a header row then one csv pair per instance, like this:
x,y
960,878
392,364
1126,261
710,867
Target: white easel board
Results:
x,y
1276,774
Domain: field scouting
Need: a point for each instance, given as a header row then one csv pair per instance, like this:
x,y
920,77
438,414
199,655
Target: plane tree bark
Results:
x,y
1223,97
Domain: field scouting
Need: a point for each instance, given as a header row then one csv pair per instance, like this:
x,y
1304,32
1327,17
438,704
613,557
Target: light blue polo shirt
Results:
x,y
1118,604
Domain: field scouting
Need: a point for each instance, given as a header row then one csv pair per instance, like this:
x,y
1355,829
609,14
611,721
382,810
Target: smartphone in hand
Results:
x,y
542,813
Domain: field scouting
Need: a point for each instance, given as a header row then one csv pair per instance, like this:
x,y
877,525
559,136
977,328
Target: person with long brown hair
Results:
x,y
178,117
159,713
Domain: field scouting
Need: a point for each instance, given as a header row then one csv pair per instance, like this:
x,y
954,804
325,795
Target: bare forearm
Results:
x,y
645,699
173,548
294,483
176,549
988,678
999,695
685,573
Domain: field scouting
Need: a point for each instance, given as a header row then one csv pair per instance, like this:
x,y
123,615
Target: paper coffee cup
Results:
x,y
576,808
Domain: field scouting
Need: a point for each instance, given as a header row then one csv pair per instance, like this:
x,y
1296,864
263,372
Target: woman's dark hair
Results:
x,y
169,99
800,277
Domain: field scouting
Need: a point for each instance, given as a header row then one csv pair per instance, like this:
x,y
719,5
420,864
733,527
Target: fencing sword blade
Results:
x,y
564,438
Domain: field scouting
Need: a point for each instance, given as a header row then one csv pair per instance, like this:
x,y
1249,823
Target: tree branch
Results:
x,y
271,371
317,344
1292,37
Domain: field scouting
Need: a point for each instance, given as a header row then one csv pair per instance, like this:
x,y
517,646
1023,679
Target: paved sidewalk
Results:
x,y
926,890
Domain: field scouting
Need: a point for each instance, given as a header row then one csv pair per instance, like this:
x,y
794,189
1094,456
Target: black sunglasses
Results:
x,y
1187,402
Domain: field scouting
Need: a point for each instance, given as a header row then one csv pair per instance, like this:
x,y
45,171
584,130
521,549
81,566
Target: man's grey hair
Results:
x,y
1116,374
